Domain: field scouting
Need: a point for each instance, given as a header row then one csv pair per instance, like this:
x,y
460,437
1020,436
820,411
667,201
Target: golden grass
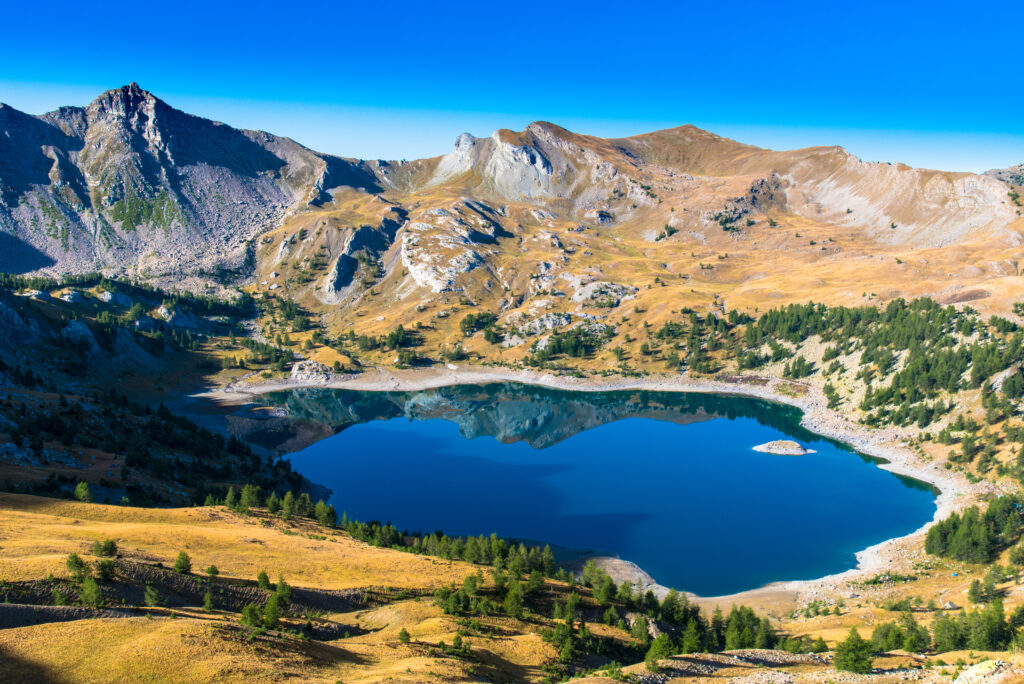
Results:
x,y
36,534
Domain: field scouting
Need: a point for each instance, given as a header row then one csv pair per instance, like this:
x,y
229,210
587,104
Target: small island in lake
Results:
x,y
783,447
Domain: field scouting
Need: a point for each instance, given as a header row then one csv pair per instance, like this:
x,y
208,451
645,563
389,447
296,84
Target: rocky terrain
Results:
x,y
543,256
518,221
130,184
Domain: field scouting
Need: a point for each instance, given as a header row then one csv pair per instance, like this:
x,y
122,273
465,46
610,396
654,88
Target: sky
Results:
x,y
929,84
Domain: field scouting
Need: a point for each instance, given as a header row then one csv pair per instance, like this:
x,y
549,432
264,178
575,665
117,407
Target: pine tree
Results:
x,y
183,564
105,570
107,548
208,601
641,629
304,506
89,593
717,636
283,591
76,567
733,636
670,609
547,559
151,596
273,503
660,649
249,499
853,654
231,499
691,638
321,514
251,617
288,506
262,581
403,635
82,492
765,637
513,604
272,612
976,594
915,636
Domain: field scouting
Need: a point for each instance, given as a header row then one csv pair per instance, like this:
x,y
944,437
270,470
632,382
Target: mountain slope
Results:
x,y
129,183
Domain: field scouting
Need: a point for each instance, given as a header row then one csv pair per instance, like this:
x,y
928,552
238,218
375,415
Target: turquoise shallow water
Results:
x,y
668,481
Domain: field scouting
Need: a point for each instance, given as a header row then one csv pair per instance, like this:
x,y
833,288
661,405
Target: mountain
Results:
x,y
133,186
129,183
1013,175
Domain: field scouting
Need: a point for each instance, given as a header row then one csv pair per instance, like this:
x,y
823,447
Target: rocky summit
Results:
x,y
130,184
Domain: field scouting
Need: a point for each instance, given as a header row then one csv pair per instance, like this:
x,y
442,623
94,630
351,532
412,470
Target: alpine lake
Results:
x,y
667,480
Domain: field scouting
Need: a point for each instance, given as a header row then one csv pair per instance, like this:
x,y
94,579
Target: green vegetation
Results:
x,y
106,548
853,654
473,322
183,564
977,537
132,211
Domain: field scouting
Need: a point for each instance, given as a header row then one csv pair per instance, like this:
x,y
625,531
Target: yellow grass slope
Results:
x,y
188,645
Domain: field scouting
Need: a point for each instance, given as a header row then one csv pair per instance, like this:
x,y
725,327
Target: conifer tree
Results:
x,y
660,649
82,492
853,654
183,564
513,604
89,593
283,592
76,567
151,596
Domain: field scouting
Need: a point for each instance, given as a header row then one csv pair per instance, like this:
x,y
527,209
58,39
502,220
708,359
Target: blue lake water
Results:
x,y
668,481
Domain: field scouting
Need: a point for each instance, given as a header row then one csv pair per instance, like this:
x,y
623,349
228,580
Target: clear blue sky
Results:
x,y
932,84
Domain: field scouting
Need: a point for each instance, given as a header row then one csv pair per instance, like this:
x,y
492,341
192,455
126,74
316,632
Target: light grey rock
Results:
x,y
115,298
14,330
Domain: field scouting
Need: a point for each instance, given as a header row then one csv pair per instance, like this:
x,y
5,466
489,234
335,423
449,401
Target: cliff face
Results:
x,y
129,183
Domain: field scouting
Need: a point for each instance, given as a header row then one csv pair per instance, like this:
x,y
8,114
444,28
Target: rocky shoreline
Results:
x,y
955,493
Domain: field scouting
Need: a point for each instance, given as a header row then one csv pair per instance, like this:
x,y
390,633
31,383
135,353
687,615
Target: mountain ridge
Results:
x,y
134,187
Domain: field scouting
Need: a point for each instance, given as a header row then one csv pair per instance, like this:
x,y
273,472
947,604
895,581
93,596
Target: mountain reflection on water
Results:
x,y
667,480
512,412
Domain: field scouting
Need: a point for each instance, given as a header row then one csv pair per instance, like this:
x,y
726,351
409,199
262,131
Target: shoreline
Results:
x,y
955,493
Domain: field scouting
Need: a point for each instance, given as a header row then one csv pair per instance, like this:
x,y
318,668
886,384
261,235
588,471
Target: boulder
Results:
x,y
115,298
310,371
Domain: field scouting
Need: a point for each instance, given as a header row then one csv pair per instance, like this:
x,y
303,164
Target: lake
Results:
x,y
666,480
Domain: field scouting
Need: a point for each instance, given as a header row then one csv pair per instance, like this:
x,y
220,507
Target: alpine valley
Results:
x,y
228,363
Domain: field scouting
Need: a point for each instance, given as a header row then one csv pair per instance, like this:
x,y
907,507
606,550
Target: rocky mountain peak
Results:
x,y
123,101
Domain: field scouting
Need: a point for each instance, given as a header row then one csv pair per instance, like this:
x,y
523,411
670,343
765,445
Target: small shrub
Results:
x,y
183,564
